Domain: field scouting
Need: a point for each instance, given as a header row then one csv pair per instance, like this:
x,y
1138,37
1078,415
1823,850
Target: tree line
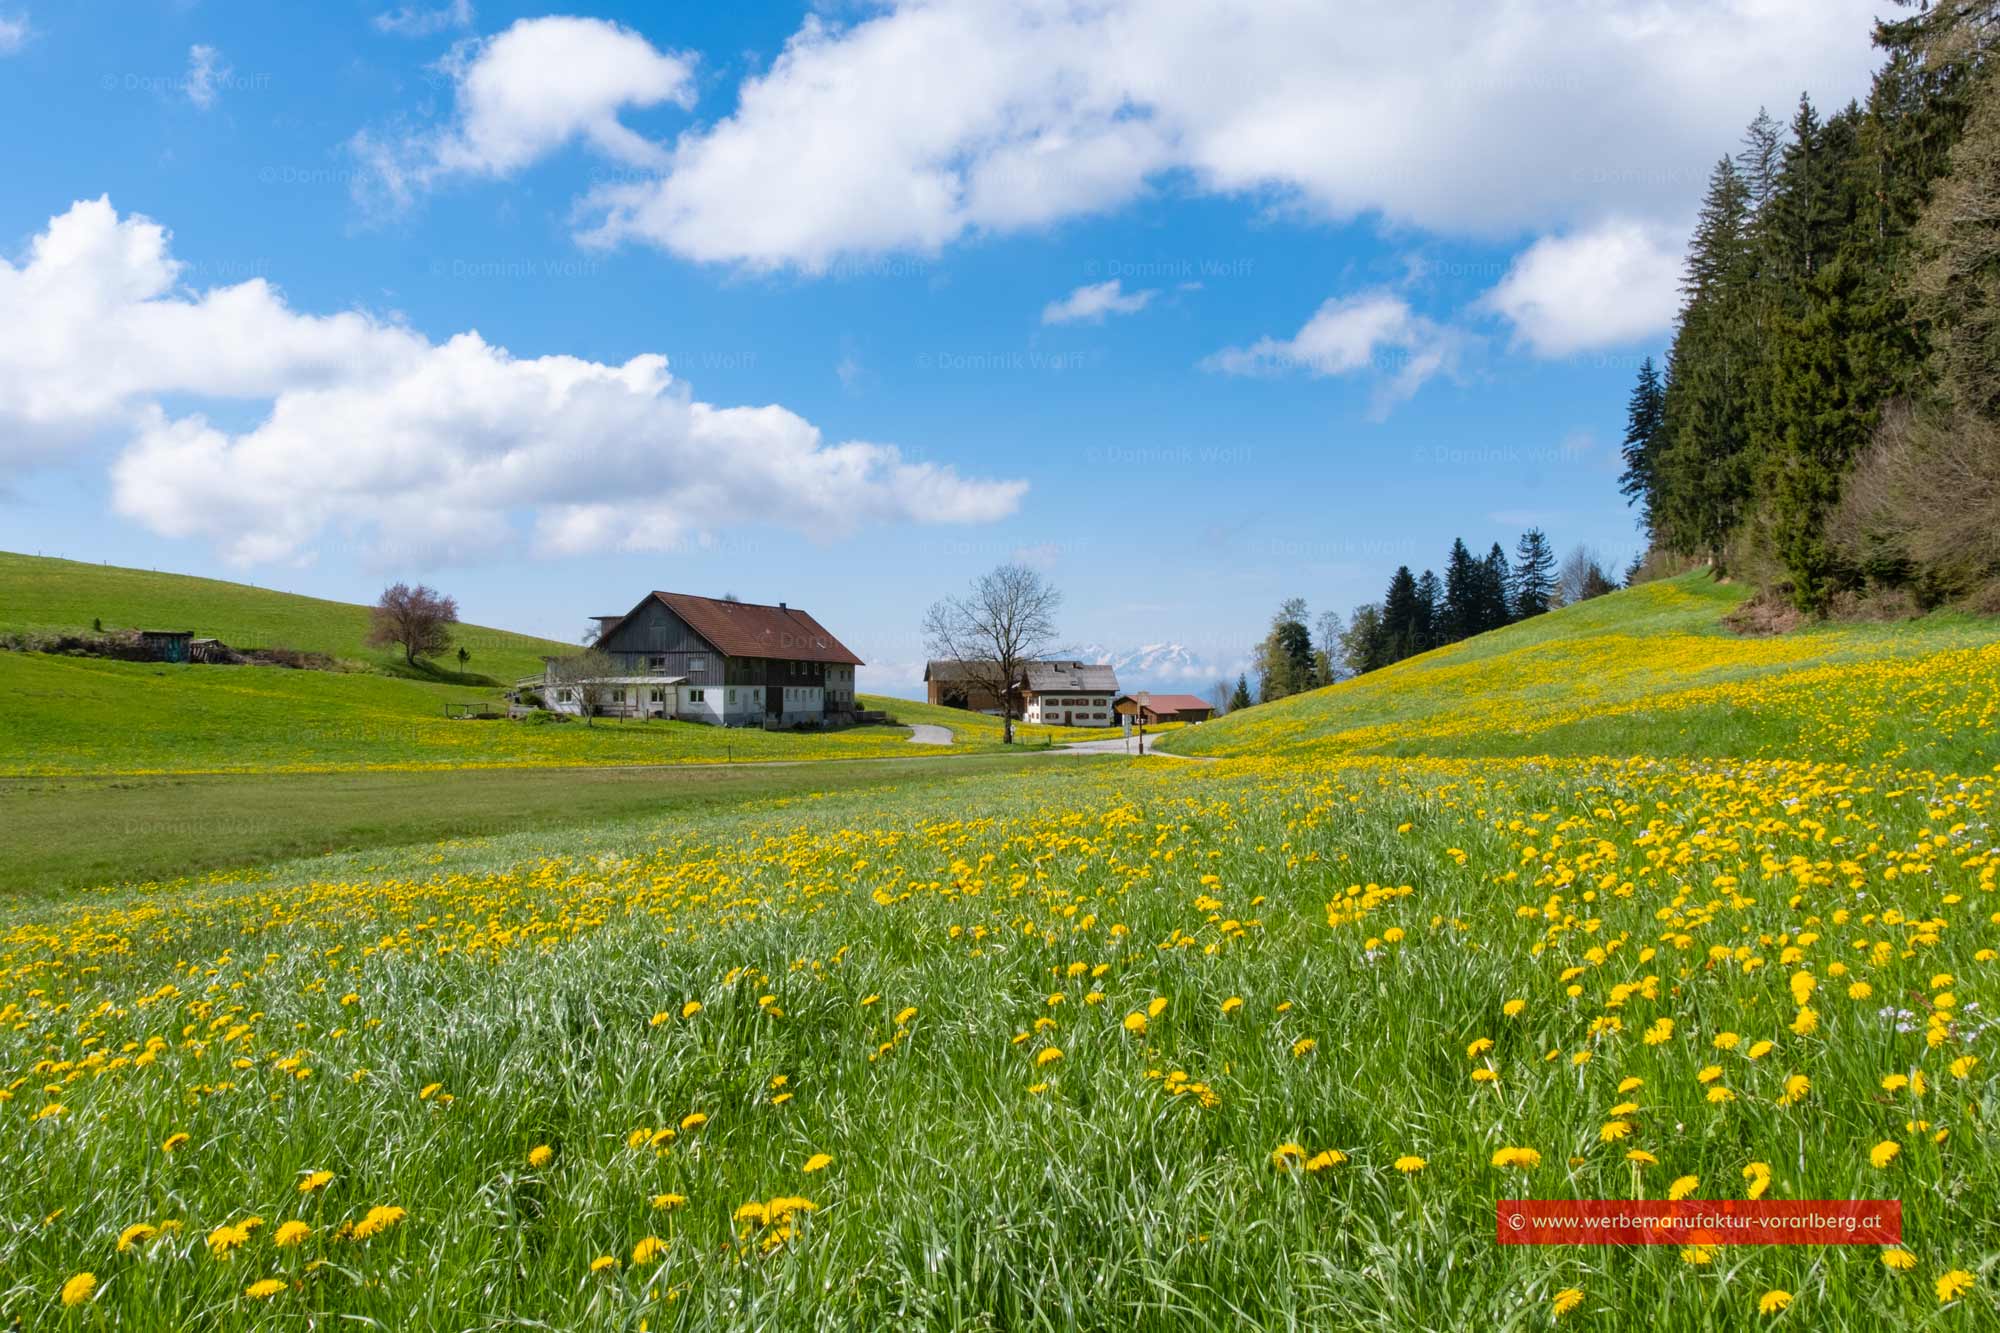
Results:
x,y
1417,613
1827,421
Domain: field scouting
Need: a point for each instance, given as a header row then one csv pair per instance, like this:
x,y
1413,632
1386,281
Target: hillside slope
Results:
x,y
81,716
1652,670
38,594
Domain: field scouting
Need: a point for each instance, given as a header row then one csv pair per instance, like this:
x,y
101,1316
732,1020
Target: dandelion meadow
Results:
x,y
1084,1044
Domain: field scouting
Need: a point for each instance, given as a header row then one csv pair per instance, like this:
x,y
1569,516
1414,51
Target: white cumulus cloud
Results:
x,y
928,120
1375,331
14,31
1090,303
1606,286
267,431
519,96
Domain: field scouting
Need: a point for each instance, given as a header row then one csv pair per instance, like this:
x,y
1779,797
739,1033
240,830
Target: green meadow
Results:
x,y
1052,1042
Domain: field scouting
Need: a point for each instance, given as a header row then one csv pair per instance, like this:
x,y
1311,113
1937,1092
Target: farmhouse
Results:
x,y
708,659
1056,694
1152,709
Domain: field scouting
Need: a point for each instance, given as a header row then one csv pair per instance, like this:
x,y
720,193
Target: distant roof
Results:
x,y
951,668
1174,703
749,629
1044,677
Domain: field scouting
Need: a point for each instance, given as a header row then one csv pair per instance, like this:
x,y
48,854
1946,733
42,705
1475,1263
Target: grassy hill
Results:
x,y
80,716
42,594
1613,905
1653,670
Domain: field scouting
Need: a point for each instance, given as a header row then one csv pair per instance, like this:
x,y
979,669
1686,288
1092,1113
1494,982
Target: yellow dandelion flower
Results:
x,y
693,1120
1726,1041
1302,1045
669,1200
691,1008
1697,1256
78,1289
378,1220
1884,1153
1682,1187
1232,1004
1048,1056
1613,1130
1566,1300
1773,1301
1525,1159
648,1250
1513,1008
1409,1165
174,1143
602,1262
1320,1161
1479,1048
264,1288
1135,1022
1661,1031
1285,1154
540,1156
906,1015
819,1161
1898,1260
290,1233
1642,1157
1954,1285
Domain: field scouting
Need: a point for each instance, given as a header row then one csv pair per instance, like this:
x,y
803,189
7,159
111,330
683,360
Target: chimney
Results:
x,y
782,606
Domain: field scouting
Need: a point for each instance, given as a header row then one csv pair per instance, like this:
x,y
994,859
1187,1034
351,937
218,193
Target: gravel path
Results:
x,y
922,733
1127,745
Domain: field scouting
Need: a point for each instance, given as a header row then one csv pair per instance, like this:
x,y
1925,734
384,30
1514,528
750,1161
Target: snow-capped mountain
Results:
x,y
1154,666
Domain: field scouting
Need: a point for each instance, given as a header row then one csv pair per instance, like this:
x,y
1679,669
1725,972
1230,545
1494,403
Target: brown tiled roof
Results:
x,y
747,629
1174,703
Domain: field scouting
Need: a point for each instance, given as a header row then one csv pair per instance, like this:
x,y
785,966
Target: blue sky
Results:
x,y
1194,312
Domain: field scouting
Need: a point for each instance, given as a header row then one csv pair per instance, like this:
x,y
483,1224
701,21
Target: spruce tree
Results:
x,y
1496,590
1645,416
1461,595
1827,390
1430,606
1402,632
1241,698
1534,574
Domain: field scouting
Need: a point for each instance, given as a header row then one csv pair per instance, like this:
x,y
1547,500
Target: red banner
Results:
x,y
1700,1222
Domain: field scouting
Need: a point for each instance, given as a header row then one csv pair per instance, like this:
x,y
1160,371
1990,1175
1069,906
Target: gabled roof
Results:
x,y
951,668
1175,703
750,629
1048,677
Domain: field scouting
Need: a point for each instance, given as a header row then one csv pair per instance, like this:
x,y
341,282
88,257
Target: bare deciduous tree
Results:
x,y
1582,578
584,675
1006,621
419,619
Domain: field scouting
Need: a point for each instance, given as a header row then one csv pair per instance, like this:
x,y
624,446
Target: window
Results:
x,y
618,696
656,662
732,696
696,696
697,664
657,697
